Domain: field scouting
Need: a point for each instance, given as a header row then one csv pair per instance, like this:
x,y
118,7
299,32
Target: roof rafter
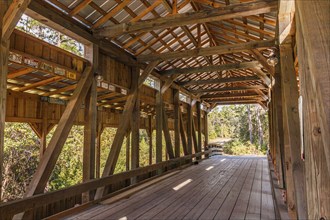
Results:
x,y
228,12
223,49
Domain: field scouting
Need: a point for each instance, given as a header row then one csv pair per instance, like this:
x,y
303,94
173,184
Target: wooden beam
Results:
x,y
183,136
64,89
199,126
111,162
232,95
193,133
206,130
159,127
210,68
314,25
219,50
168,141
19,72
147,71
221,80
150,138
189,129
236,102
263,76
258,55
290,96
224,89
135,128
228,12
128,146
79,7
40,83
176,102
110,14
46,165
4,53
90,137
12,16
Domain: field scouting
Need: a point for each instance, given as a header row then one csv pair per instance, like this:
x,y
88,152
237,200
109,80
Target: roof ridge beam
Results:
x,y
228,12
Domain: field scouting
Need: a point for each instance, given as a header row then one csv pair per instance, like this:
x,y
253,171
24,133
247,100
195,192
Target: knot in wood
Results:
x,y
316,131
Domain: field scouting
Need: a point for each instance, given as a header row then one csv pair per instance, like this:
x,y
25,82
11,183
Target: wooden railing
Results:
x,y
44,205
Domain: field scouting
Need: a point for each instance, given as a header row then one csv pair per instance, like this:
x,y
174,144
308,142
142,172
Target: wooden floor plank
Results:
x,y
229,204
267,202
244,196
254,208
221,187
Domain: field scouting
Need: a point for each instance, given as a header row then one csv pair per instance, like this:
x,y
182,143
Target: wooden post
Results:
x,y
150,139
278,127
295,165
176,122
168,141
206,130
193,135
4,52
135,126
111,162
189,129
44,129
100,129
128,140
159,127
183,135
90,137
199,132
314,25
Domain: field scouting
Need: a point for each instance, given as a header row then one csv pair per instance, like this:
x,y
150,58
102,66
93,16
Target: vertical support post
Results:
x,y
135,126
168,141
150,139
292,133
44,129
183,135
206,129
90,137
4,52
199,132
98,150
176,122
159,127
278,127
189,128
128,140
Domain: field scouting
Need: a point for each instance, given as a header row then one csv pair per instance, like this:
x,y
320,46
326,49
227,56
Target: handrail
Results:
x,y
25,204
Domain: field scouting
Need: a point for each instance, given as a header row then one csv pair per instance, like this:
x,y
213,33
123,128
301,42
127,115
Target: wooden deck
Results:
x,y
221,187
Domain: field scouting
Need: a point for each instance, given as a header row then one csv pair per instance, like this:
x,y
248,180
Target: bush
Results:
x,y
237,147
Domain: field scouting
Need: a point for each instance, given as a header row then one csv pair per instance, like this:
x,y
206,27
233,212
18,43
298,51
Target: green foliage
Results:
x,y
49,35
231,121
237,147
68,168
21,157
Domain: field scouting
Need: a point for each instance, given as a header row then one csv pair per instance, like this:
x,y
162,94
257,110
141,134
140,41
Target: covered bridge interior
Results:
x,y
163,65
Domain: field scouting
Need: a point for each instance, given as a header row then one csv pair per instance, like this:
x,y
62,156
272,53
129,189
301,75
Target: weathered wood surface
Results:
x,y
234,188
48,161
10,208
228,12
223,49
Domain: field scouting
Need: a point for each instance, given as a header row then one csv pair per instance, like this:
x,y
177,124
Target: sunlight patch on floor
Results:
x,y
182,184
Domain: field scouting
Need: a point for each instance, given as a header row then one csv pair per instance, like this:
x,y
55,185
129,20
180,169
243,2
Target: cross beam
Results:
x,y
221,80
219,50
225,89
211,68
225,13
